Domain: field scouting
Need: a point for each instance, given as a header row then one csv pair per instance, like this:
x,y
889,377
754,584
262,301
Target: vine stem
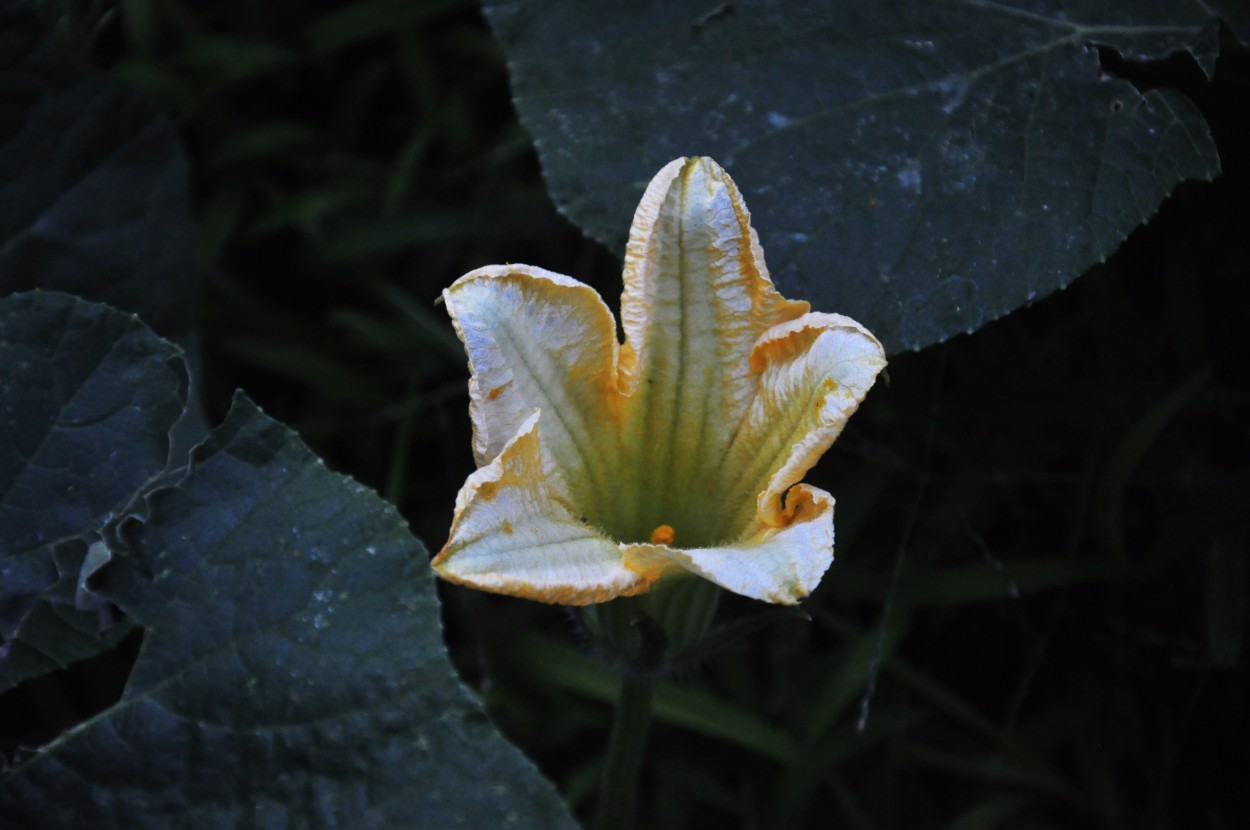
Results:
x,y
618,790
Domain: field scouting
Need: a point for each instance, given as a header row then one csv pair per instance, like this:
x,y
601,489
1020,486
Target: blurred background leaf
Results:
x,y
93,184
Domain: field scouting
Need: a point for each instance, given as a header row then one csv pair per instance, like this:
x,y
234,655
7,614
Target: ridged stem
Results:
x,y
618,789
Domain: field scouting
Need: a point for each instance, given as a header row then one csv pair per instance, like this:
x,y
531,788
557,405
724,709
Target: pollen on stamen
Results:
x,y
663,535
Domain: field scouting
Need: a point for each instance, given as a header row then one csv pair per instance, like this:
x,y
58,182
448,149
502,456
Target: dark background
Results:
x,y
1037,613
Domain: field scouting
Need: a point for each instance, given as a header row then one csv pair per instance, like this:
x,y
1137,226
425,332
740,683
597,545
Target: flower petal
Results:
x,y
775,564
513,533
697,298
813,373
539,340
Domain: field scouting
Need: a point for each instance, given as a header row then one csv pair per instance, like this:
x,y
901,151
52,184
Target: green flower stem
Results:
x,y
683,606
618,790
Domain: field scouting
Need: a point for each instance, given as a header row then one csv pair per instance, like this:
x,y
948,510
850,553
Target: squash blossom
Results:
x,y
603,466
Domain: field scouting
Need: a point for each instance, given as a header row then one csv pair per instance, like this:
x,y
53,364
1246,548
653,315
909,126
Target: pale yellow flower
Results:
x,y
604,466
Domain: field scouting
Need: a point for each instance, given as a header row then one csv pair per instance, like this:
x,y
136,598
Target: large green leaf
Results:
x,y
93,200
923,166
292,672
93,183
87,400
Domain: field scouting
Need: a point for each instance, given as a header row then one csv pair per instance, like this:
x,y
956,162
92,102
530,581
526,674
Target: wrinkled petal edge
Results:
x,y
514,534
782,565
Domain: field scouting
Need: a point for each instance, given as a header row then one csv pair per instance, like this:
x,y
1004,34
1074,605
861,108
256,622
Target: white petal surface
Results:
x,y
680,450
539,340
514,533
697,298
813,372
776,564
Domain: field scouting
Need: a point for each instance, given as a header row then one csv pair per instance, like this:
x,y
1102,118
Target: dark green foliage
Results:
x,y
93,184
86,405
923,167
292,671
1037,614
